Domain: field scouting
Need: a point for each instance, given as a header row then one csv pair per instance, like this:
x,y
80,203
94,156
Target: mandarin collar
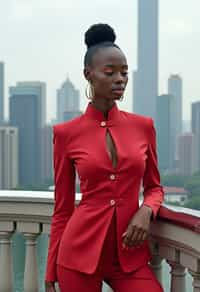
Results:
x,y
96,114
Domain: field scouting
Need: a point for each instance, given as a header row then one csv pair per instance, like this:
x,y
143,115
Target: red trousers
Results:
x,y
109,271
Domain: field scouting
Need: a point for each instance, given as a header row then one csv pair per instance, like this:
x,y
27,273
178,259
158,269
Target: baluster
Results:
x,y
196,281
31,280
178,273
156,264
6,262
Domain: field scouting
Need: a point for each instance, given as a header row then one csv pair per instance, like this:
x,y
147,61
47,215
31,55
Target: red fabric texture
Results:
x,y
80,146
108,270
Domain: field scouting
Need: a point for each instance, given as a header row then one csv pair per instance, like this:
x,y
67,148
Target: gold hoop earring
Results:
x,y
89,91
121,98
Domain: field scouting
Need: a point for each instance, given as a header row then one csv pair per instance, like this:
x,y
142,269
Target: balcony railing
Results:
x,y
174,237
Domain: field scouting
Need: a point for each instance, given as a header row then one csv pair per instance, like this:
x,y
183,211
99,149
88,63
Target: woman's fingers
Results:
x,y
50,287
134,236
139,238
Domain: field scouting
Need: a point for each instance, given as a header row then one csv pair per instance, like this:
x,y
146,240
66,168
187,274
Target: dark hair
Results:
x,y
96,37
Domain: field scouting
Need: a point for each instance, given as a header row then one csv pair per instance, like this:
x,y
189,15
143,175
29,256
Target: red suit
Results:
x,y
77,234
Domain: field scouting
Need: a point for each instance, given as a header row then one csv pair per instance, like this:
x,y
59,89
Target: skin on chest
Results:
x,y
111,148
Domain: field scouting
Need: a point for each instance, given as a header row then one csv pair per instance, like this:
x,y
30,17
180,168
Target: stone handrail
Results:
x,y
174,237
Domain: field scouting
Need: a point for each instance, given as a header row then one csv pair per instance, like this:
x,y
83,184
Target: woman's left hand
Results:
x,y
138,228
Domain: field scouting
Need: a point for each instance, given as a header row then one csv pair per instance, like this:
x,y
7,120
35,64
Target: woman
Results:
x,y
105,237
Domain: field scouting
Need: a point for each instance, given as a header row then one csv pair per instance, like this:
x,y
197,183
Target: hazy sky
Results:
x,y
43,40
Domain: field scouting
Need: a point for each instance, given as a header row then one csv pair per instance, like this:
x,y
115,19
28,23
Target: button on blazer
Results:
x,y
79,146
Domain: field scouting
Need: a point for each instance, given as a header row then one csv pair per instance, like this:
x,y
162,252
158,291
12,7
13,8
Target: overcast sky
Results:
x,y
44,40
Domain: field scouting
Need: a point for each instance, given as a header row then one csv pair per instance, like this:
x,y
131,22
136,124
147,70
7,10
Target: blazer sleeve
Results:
x,y
152,190
64,198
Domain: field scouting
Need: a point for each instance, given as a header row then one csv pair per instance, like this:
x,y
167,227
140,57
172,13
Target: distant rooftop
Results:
x,y
174,190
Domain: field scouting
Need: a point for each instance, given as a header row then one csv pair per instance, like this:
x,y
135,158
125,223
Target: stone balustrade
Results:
x,y
174,238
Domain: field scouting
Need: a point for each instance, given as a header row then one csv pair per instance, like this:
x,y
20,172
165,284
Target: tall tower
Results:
x,y
68,101
196,129
38,89
164,128
146,76
8,157
187,154
27,113
175,89
1,92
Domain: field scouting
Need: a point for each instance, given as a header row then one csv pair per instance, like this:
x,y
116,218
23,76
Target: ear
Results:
x,y
87,73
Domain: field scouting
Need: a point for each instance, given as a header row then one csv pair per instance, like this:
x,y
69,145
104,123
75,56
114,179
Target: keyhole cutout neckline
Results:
x,y
114,117
111,149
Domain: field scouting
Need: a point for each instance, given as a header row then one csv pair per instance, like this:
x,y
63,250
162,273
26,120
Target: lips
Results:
x,y
118,91
118,88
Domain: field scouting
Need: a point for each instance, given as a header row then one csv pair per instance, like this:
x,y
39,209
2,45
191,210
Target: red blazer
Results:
x,y
77,234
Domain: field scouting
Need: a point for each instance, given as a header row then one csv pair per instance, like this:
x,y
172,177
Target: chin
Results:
x,y
115,97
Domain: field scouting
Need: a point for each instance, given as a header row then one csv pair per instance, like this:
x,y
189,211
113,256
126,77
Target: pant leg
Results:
x,y
75,281
139,281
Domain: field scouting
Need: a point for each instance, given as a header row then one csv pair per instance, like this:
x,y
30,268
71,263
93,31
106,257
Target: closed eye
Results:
x,y
124,73
109,73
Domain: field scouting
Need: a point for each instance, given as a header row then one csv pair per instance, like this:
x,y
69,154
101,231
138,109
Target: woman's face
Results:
x,y
108,73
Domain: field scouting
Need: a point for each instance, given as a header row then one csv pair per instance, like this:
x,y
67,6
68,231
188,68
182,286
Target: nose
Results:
x,y
120,78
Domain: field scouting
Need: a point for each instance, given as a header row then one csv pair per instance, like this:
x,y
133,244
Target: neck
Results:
x,y
104,105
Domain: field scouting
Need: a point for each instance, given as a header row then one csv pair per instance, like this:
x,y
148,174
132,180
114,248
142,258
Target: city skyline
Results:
x,y
36,44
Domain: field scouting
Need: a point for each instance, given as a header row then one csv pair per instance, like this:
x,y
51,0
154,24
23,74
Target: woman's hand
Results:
x,y
50,287
138,228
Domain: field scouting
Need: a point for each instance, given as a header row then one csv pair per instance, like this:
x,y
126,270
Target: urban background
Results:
x,y
28,109
41,84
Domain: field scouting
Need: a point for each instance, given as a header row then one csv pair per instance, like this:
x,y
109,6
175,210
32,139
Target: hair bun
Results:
x,y
99,33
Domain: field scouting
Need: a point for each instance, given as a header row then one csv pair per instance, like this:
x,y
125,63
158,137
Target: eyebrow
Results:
x,y
112,66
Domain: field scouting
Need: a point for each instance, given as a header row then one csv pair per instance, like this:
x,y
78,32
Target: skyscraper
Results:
x,y
196,128
47,153
175,89
68,100
27,112
38,89
2,92
8,157
164,129
186,153
146,76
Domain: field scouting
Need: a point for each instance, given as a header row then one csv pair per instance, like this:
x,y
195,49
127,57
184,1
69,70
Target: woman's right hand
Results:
x,y
50,287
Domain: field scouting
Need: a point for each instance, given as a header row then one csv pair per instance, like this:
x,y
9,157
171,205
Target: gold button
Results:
x,y
103,124
112,202
112,176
